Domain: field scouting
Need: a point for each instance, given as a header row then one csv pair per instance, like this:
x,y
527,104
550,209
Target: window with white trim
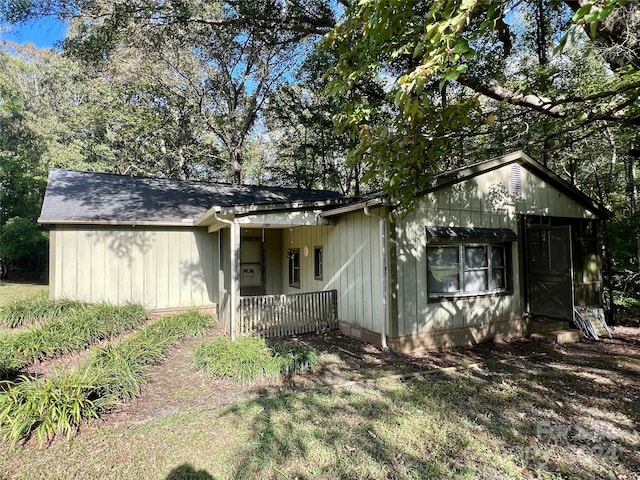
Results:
x,y
455,269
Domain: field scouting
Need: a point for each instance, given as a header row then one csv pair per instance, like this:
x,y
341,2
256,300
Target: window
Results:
x,y
294,267
317,263
467,269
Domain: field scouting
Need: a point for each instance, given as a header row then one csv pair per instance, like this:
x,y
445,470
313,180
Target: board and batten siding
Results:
x,y
481,201
351,265
157,267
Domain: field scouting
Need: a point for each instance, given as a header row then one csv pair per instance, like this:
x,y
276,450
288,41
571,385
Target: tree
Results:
x,y
299,119
223,58
22,241
456,90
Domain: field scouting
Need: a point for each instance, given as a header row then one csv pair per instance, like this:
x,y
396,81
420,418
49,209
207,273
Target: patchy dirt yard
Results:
x,y
175,386
522,410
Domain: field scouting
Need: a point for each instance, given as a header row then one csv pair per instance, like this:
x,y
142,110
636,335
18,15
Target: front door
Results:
x,y
251,268
550,271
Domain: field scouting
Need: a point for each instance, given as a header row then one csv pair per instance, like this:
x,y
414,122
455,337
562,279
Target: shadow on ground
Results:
x,y
552,412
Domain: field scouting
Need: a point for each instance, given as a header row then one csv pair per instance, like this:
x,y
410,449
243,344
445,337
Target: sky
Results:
x,y
43,33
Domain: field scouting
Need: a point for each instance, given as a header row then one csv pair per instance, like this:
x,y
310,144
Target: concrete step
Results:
x,y
546,326
565,335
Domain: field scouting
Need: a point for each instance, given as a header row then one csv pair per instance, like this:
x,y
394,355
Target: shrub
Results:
x,y
250,358
23,238
294,357
47,407
73,331
627,309
34,310
57,405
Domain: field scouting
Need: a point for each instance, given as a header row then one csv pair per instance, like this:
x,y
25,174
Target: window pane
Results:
x,y
442,257
294,267
317,263
539,250
475,257
444,281
475,281
497,256
498,279
559,241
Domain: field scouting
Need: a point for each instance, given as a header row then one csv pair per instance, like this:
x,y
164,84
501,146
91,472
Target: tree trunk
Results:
x,y
236,165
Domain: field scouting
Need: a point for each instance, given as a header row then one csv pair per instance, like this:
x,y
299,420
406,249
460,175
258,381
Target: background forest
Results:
x,y
343,95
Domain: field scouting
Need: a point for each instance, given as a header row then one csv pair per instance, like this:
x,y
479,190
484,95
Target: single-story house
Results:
x,y
487,249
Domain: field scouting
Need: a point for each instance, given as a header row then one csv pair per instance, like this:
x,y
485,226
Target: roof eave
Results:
x,y
131,223
374,202
269,207
241,210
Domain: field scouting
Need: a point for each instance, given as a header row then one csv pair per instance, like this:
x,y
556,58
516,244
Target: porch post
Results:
x,y
234,294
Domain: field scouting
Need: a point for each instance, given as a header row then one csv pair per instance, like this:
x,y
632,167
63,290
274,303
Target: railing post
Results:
x,y
334,308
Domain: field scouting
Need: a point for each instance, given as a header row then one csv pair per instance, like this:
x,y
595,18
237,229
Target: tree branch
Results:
x,y
501,94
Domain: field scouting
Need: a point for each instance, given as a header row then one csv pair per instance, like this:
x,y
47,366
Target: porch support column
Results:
x,y
234,294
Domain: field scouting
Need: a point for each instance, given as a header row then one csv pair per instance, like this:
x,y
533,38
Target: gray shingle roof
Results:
x,y
78,197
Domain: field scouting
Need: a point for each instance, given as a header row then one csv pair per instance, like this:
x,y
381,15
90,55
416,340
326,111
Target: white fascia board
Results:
x,y
296,218
376,202
290,206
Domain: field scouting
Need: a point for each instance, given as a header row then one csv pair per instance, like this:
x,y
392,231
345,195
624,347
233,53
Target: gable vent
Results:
x,y
515,179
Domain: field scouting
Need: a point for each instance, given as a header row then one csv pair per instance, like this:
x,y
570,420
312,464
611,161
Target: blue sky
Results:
x,y
44,33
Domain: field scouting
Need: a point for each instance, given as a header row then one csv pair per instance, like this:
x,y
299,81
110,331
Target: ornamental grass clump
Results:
x,y
251,358
294,357
35,310
71,332
57,405
50,407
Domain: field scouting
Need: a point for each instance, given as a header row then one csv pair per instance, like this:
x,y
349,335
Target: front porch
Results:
x,y
268,280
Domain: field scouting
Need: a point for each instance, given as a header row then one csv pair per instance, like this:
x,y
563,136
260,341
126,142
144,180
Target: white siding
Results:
x,y
160,268
482,201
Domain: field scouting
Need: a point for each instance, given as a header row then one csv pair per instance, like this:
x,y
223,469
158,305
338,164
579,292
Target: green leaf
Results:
x,y
582,11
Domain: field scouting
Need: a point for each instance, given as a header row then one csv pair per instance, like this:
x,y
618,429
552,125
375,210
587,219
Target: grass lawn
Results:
x,y
571,412
10,291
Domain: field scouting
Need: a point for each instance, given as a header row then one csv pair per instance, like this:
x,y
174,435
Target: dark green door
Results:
x,y
549,266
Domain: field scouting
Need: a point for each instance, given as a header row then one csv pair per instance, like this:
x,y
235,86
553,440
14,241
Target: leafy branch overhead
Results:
x,y
462,74
199,88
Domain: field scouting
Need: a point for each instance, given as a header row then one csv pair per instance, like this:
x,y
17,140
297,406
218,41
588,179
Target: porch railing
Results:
x,y
288,314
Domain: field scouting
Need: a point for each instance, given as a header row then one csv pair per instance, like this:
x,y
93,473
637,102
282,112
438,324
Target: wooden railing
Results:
x,y
288,314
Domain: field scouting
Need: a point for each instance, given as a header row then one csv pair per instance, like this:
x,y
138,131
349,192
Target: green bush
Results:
x,y
250,358
294,358
23,238
49,407
73,331
627,309
35,310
